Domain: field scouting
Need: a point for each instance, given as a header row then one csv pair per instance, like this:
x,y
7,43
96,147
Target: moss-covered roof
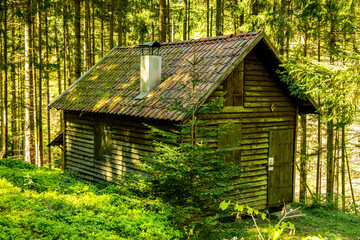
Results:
x,y
112,84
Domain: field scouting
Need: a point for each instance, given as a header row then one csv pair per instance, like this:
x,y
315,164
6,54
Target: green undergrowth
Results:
x,y
316,223
40,203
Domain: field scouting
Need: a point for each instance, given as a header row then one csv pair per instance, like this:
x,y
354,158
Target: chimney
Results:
x,y
150,68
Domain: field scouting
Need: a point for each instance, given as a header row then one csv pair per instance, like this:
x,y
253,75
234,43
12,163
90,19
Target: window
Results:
x,y
231,137
102,141
234,87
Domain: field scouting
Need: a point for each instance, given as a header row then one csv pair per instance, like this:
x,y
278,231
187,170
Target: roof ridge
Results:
x,y
243,34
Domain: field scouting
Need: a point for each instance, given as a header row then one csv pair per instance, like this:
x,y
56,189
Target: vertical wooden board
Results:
x,y
280,179
238,85
229,90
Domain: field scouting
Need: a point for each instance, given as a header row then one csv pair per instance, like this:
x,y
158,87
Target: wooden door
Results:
x,y
281,169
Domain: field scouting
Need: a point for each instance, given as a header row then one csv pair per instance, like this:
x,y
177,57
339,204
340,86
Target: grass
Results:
x,y
317,223
40,203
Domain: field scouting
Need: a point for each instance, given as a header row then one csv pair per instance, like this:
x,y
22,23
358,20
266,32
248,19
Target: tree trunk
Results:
x,y
39,82
318,167
14,132
207,18
168,29
111,24
211,21
93,33
303,160
185,19
5,136
47,86
162,21
120,22
218,18
87,35
330,162
29,86
336,168
343,142
78,40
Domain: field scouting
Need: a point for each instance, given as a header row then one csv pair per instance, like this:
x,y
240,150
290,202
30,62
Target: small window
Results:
x,y
102,141
234,87
231,137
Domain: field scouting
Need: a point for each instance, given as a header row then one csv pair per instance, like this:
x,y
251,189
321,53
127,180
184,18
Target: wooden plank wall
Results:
x,y
130,142
266,107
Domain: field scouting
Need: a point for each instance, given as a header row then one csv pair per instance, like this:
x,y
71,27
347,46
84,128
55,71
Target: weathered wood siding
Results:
x,y
130,140
266,106
259,105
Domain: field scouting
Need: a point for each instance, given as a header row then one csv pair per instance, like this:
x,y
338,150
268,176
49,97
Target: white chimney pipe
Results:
x,y
150,74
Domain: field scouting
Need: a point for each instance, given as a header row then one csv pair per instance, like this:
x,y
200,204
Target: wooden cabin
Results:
x,y
105,110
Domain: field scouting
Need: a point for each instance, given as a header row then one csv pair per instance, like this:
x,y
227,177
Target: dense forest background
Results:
x,y
47,44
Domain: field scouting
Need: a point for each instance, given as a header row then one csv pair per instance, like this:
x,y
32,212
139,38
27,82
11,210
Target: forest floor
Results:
x,y
317,223
40,203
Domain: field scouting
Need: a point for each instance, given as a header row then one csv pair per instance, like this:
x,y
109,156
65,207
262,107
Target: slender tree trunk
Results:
x,y
162,21
93,33
318,168
188,19
29,86
47,86
235,16
303,160
218,18
330,162
87,35
343,183
14,132
111,24
207,18
336,168
78,40
120,22
211,21
66,43
185,19
102,28
168,29
5,86
39,82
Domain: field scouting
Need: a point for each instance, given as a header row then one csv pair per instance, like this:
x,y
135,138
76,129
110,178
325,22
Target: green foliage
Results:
x,y
336,86
38,203
186,170
272,231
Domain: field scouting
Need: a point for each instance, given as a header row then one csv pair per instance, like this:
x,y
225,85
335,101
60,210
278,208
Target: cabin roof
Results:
x,y
112,84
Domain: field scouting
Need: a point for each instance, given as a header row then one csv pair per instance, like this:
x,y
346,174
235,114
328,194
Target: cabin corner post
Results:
x,y
63,150
295,148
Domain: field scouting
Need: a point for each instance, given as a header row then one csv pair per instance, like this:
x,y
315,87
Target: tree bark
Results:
x,y
87,35
5,136
218,18
29,153
14,132
303,160
39,82
162,21
330,162
207,18
47,87
111,24
120,22
185,19
78,39
343,183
